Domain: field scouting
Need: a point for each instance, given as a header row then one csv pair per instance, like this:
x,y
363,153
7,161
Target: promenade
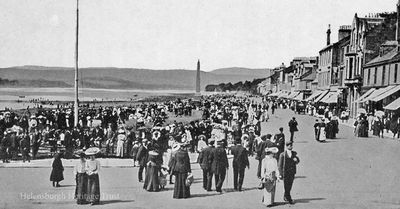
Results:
x,y
346,173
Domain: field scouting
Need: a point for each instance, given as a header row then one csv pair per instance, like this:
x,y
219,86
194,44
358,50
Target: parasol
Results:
x,y
92,151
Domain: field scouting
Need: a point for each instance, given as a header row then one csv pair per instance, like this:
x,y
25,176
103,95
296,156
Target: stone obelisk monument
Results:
x,y
198,79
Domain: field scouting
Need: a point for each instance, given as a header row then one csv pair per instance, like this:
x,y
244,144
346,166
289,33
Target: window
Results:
x,y
369,76
395,73
375,75
351,68
383,75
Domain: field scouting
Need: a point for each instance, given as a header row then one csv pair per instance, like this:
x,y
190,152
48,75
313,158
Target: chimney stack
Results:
x,y
328,35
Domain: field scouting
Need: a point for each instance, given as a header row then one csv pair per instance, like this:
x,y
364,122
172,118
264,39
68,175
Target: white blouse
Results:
x,y
92,167
269,165
80,167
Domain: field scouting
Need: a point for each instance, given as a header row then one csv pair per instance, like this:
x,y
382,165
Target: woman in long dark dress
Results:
x,y
57,172
81,180
151,181
181,169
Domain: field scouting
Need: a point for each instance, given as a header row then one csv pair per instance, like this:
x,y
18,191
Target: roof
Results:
x,y
288,69
309,77
308,65
383,59
390,43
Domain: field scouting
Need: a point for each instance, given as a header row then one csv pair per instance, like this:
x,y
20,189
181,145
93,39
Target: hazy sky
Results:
x,y
172,34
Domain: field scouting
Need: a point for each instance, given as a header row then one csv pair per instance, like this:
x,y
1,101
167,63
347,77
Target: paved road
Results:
x,y
347,172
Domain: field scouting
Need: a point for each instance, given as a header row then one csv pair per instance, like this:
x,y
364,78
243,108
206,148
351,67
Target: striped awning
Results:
x,y
331,97
394,105
314,95
377,93
299,97
322,95
386,93
365,95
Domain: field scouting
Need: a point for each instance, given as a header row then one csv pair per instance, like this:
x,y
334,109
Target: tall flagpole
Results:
x,y
76,103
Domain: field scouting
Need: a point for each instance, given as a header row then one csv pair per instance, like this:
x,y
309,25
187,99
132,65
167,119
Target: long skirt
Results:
x,y
93,189
56,175
269,197
180,189
120,148
151,181
81,187
322,135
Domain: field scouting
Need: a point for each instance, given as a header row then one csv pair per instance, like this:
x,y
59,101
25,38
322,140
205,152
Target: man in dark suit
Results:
x,y
239,164
142,156
287,168
205,165
280,142
293,128
265,143
219,164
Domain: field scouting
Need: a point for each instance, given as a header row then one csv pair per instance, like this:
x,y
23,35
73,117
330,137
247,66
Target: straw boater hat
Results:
x,y
272,150
152,152
92,151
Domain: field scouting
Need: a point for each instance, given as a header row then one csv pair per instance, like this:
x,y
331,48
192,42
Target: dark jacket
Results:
x,y
219,161
25,144
280,142
142,155
293,125
181,162
240,157
287,166
261,148
204,158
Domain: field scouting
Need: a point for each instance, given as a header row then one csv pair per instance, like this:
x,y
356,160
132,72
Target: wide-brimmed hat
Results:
x,y
272,150
92,151
153,153
121,131
79,153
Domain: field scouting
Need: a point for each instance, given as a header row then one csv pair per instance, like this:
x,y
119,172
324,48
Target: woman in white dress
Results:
x,y
92,170
120,143
322,134
269,173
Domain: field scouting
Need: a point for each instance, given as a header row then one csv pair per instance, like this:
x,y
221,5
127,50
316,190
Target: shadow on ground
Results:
x,y
106,202
307,200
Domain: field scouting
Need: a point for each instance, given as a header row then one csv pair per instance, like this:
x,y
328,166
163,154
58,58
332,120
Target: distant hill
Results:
x,y
124,78
242,71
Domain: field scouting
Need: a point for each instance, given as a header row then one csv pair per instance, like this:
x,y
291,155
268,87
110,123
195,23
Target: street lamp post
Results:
x,y
76,101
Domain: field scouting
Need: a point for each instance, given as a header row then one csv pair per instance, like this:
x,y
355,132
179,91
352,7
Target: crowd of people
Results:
x,y
159,147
